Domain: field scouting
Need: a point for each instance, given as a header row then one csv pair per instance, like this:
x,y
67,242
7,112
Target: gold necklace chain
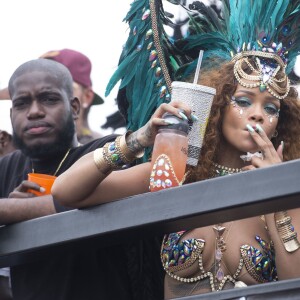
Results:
x,y
60,164
158,47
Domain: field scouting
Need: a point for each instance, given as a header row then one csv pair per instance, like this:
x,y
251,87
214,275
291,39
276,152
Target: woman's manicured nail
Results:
x,y
42,190
259,128
282,144
250,128
168,122
194,118
183,115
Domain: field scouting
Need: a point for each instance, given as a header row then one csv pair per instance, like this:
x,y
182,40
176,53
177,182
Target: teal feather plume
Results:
x,y
253,24
140,68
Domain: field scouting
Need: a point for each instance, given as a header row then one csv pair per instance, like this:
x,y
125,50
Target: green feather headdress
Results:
x,y
151,60
145,73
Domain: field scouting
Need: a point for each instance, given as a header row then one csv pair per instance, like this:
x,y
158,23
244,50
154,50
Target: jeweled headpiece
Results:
x,y
262,37
268,72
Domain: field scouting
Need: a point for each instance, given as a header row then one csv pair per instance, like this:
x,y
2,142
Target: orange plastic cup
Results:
x,y
43,180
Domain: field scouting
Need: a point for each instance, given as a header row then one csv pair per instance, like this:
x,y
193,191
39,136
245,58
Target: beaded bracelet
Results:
x,y
115,155
286,231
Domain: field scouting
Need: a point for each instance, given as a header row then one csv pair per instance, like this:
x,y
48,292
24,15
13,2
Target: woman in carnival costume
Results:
x,y
254,123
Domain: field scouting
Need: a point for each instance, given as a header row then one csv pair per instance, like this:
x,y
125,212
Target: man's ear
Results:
x,y
75,105
4,94
1,138
88,97
4,138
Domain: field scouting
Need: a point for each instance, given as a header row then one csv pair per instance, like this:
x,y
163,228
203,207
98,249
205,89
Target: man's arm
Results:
x,y
14,210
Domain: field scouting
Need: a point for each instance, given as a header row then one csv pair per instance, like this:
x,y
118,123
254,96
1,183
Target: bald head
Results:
x,y
54,69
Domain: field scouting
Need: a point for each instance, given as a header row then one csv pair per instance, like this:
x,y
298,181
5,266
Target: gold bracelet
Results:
x,y
100,162
286,231
117,154
122,152
111,157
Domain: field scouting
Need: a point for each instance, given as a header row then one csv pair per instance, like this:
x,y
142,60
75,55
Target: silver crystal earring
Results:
x,y
275,134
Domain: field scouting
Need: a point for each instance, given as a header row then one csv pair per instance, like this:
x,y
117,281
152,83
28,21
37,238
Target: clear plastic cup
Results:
x,y
43,180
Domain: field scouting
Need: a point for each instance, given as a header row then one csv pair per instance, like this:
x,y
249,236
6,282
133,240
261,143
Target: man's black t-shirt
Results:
x,y
15,167
115,272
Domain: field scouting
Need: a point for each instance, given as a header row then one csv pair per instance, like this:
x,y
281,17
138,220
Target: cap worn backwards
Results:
x,y
79,66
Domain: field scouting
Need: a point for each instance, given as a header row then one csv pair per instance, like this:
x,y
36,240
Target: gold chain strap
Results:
x,y
60,164
158,46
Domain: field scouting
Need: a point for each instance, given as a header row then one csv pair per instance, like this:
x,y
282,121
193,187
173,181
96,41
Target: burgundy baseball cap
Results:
x,y
79,66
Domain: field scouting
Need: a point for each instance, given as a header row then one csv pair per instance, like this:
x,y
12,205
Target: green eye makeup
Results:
x,y
243,103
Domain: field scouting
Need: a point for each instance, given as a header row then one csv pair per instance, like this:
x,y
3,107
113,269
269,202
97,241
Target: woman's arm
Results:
x,y
90,181
287,254
92,187
287,263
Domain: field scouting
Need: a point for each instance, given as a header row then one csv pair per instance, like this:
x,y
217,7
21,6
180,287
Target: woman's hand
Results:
x,y
270,155
145,136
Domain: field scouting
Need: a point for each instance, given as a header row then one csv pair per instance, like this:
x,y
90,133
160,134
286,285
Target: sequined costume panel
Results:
x,y
260,264
178,254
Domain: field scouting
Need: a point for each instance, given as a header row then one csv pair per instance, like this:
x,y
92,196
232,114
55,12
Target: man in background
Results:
x,y
6,147
6,143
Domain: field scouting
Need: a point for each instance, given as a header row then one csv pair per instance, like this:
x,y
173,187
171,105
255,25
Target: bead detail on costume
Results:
x,y
177,255
220,170
260,264
146,14
267,67
220,247
162,174
174,259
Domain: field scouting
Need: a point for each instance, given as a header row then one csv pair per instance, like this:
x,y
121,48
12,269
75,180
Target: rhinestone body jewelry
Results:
x,y
220,170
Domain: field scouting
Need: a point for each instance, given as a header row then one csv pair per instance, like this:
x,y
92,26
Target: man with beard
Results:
x,y
80,67
42,115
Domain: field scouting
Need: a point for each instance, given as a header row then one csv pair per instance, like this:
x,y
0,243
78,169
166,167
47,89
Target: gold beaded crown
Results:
x,y
267,72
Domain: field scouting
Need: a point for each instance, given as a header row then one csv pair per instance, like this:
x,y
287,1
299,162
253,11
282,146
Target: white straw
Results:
x,y
198,67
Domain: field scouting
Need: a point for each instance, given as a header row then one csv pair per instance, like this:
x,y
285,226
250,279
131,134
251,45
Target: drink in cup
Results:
x,y
43,180
169,154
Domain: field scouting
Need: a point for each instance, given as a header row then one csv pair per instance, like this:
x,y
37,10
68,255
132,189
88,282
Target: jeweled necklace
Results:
x,y
222,170
60,164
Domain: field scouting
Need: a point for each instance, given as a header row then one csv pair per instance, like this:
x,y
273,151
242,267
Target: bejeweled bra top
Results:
x,y
179,254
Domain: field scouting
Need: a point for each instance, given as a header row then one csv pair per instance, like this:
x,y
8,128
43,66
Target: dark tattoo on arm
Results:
x,y
148,133
133,144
